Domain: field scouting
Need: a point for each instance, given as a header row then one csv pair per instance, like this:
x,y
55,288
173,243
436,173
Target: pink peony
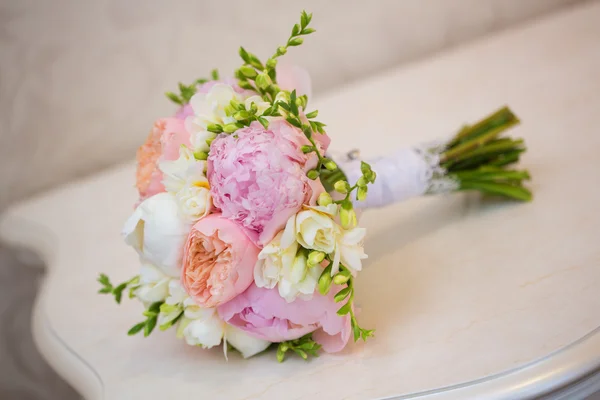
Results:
x,y
164,140
218,261
263,313
258,177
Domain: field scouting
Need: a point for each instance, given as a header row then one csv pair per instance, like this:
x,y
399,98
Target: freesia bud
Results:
x,y
307,149
201,155
271,63
361,194
315,258
347,218
281,50
325,281
341,278
230,128
330,165
313,174
324,199
341,187
263,81
248,71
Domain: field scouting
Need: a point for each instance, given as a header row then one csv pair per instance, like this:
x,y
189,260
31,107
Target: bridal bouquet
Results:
x,y
246,227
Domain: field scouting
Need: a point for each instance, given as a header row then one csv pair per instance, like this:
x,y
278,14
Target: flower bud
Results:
x,y
281,50
248,71
214,128
230,128
361,182
201,155
307,149
330,165
271,63
313,174
340,279
341,187
324,199
263,81
315,258
325,281
361,194
347,218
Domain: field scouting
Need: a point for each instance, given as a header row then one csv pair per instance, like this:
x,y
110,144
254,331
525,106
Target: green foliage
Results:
x,y
304,347
116,291
149,324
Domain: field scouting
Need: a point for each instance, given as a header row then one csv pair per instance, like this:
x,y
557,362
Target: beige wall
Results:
x,y
81,80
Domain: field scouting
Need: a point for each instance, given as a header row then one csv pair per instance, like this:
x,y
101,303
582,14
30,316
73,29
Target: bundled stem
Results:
x,y
478,159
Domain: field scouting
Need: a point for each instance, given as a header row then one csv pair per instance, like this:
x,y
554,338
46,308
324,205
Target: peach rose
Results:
x,y
163,142
218,261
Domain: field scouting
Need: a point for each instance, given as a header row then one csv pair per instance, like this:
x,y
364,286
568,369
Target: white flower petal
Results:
x,y
247,345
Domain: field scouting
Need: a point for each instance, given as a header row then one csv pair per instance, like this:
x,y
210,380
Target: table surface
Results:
x,y
480,297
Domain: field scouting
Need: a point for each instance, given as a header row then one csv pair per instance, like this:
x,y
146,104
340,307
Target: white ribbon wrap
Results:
x,y
405,174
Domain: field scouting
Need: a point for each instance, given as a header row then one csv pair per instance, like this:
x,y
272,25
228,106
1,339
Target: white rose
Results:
x,y
275,256
244,343
153,284
316,229
209,108
157,231
349,250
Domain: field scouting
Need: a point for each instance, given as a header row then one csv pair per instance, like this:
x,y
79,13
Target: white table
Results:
x,y
470,298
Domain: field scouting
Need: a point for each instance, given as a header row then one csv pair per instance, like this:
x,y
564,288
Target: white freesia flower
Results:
x,y
316,229
244,343
276,256
185,178
199,139
300,280
153,285
261,105
185,171
349,250
209,108
157,231
202,327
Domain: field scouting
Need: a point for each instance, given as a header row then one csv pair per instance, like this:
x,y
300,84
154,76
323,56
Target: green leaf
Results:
x,y
136,328
103,279
118,291
365,168
293,121
174,98
342,294
150,324
264,122
296,30
312,114
304,19
293,105
345,309
155,307
105,290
